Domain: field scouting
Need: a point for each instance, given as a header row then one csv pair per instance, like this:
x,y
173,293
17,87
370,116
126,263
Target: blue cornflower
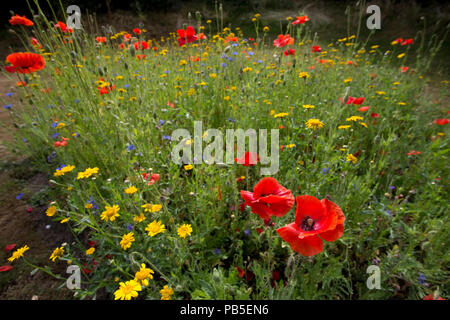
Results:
x,y
60,167
55,135
131,147
51,156
166,137
325,171
422,278
19,196
9,94
247,232
94,205
161,122
8,106
217,251
130,227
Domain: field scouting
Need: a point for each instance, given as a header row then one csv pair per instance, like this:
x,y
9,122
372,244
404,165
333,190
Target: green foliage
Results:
x,y
394,202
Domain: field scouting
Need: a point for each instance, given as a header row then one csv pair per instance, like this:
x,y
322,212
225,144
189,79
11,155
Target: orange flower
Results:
x,y
26,62
18,20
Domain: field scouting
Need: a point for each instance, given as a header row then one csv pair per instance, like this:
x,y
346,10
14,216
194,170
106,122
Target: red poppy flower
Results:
x,y
247,159
269,198
289,52
356,101
18,20
141,56
241,272
398,40
105,90
413,153
127,37
315,220
62,26
100,39
61,143
26,62
300,20
316,49
231,39
153,178
5,268
283,40
187,35
141,45
407,41
363,109
374,115
9,247
404,69
137,31
431,297
441,122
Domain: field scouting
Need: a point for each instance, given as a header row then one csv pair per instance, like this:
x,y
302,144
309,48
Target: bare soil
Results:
x,y
20,227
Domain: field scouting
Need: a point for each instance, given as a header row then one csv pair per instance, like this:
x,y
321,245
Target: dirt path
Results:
x,y
21,227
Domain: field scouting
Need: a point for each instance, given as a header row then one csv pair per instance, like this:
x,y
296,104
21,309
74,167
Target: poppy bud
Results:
x,y
132,51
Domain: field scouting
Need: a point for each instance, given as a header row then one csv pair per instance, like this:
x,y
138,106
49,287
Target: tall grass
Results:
x,y
394,201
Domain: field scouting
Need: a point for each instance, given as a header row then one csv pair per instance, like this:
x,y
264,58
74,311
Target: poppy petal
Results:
x,y
5,268
333,235
308,206
9,247
307,246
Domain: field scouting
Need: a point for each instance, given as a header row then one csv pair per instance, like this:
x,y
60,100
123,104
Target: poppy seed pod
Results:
x,y
132,51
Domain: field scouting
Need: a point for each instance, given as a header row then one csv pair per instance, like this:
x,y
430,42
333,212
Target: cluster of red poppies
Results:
x,y
315,219
188,36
